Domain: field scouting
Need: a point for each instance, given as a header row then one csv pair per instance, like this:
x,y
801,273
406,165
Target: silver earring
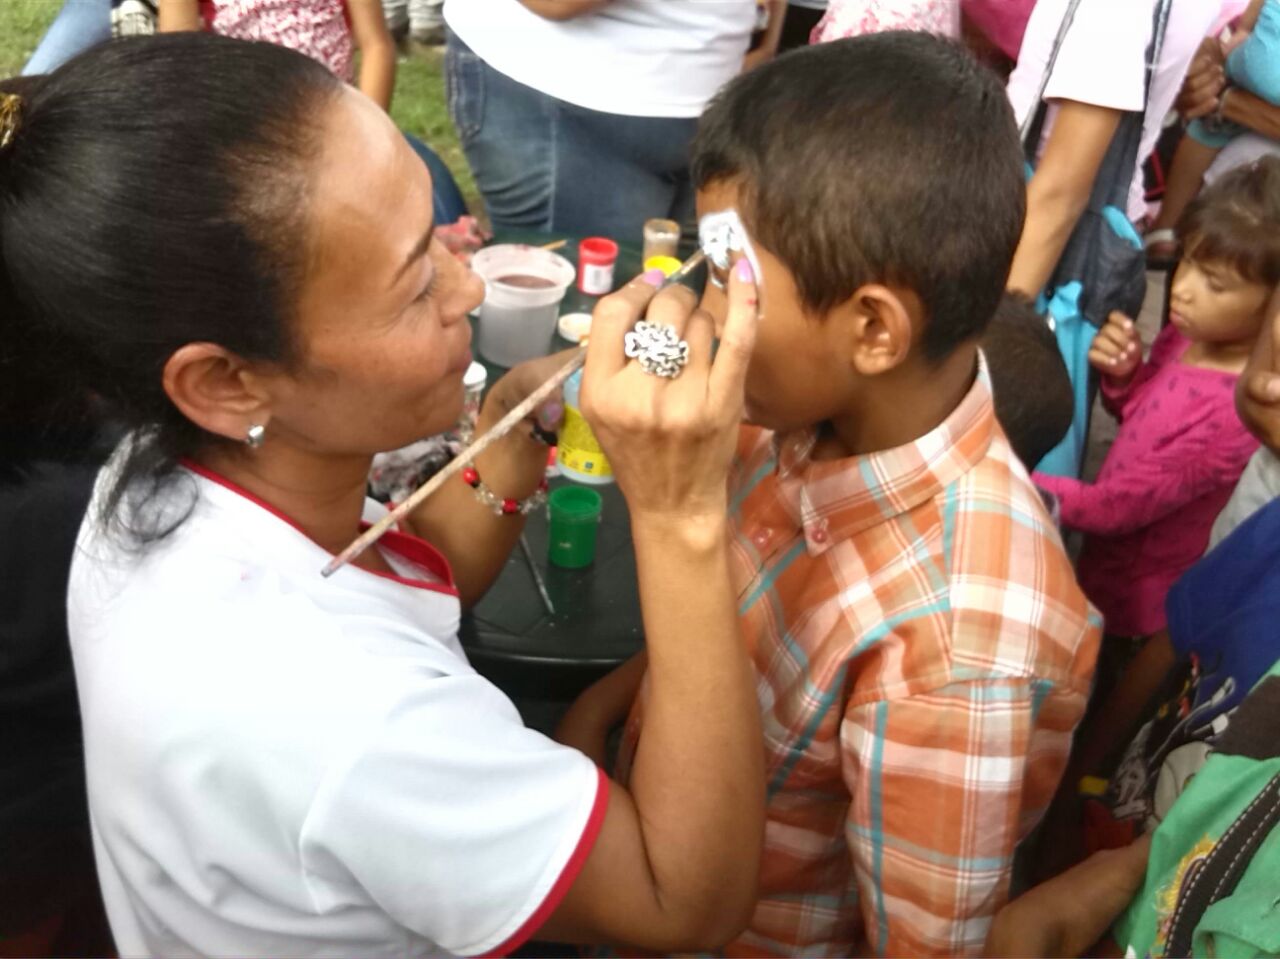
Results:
x,y
254,436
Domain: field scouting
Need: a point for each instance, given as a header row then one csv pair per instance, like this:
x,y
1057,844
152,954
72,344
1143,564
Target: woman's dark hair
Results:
x,y
153,195
1236,221
890,158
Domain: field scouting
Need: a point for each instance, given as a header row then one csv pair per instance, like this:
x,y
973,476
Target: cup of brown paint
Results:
x,y
523,290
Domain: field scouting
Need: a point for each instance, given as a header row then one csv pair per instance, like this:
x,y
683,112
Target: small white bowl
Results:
x,y
574,326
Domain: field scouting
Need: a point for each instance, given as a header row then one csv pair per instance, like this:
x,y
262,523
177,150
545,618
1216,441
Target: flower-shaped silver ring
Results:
x,y
657,349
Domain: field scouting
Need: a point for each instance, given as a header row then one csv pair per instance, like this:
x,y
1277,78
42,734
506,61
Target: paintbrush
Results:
x,y
537,575
482,443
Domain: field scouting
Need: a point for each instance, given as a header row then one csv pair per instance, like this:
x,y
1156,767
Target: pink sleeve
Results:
x,y
1155,483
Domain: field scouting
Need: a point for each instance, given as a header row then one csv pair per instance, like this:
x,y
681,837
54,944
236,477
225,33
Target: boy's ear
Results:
x,y
881,328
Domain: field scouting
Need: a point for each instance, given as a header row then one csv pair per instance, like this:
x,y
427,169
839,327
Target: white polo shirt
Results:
x,y
282,764
642,58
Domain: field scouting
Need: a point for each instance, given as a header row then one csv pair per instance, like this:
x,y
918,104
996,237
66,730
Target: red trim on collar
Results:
x,y
586,842
411,548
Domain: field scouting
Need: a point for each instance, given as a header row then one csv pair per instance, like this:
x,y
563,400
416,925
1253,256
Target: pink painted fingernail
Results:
x,y
745,273
654,277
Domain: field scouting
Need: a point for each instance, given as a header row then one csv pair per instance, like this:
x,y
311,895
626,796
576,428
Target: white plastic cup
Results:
x,y
524,287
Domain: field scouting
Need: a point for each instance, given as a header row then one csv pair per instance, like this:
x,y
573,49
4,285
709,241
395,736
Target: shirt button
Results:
x,y
819,534
762,536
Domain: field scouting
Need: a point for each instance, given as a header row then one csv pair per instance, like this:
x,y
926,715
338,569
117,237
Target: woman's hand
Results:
x,y
519,382
670,440
1116,350
1206,79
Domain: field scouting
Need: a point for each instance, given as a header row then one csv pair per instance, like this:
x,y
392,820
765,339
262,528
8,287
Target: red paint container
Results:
x,y
596,259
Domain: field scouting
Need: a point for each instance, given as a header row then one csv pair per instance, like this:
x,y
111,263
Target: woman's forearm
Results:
x,y
1052,215
698,778
475,540
1059,191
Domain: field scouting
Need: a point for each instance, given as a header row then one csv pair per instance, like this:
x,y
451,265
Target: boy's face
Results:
x,y
1212,303
799,374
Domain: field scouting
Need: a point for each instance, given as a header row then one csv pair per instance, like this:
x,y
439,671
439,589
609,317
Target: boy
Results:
x,y
923,650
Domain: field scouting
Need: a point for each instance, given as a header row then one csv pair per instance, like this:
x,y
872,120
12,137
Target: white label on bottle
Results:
x,y
597,279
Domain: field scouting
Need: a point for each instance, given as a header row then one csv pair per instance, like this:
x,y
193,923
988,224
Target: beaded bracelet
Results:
x,y
499,505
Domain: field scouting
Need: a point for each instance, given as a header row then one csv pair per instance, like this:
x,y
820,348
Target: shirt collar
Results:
x,y
838,499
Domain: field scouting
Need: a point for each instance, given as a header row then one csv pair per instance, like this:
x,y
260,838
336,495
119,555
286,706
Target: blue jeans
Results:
x,y
80,24
543,164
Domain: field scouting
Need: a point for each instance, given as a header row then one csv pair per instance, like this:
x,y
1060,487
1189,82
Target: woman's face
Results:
x,y
382,328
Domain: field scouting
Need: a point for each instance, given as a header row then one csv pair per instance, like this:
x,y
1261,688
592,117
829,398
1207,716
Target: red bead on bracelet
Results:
x,y
503,506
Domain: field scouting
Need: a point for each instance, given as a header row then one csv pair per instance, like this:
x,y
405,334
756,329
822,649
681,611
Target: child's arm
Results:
x,y
377,51
1068,915
176,16
600,708
941,785
1154,485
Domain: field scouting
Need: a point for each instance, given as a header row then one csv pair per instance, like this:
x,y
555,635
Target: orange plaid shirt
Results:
x,y
924,654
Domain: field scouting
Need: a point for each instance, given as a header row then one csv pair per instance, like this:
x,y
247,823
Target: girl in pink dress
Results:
x,y
329,31
1181,447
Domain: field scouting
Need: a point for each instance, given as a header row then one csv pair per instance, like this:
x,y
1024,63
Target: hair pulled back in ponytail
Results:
x,y
154,195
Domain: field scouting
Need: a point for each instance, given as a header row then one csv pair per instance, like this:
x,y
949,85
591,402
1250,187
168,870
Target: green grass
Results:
x,y
418,106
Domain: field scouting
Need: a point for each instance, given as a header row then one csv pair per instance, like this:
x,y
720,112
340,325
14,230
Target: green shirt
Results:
x,y
1221,831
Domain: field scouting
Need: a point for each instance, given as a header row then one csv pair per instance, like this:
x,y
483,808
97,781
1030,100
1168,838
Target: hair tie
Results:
x,y
10,117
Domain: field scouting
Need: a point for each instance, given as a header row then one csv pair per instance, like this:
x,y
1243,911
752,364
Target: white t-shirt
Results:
x,y
1103,62
643,58
282,764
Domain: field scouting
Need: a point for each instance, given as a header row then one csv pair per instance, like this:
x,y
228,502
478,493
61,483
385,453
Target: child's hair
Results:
x,y
1029,380
1236,221
890,158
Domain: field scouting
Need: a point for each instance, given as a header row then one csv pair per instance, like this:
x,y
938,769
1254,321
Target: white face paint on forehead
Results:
x,y
721,235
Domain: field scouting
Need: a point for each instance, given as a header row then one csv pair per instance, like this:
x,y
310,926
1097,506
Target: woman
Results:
x,y
235,250
1093,80
576,115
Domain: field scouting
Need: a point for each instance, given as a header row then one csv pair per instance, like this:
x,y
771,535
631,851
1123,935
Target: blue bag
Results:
x,y
1103,266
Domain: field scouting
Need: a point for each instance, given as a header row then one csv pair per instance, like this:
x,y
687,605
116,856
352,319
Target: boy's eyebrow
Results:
x,y
419,248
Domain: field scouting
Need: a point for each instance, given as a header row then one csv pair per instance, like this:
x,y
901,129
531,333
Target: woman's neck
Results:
x,y
324,496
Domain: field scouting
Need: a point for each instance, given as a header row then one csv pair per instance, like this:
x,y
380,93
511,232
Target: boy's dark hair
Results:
x,y
889,158
1236,221
1029,380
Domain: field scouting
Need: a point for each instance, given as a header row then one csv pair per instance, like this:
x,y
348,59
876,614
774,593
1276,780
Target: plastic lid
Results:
x,y
667,264
476,375
574,326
